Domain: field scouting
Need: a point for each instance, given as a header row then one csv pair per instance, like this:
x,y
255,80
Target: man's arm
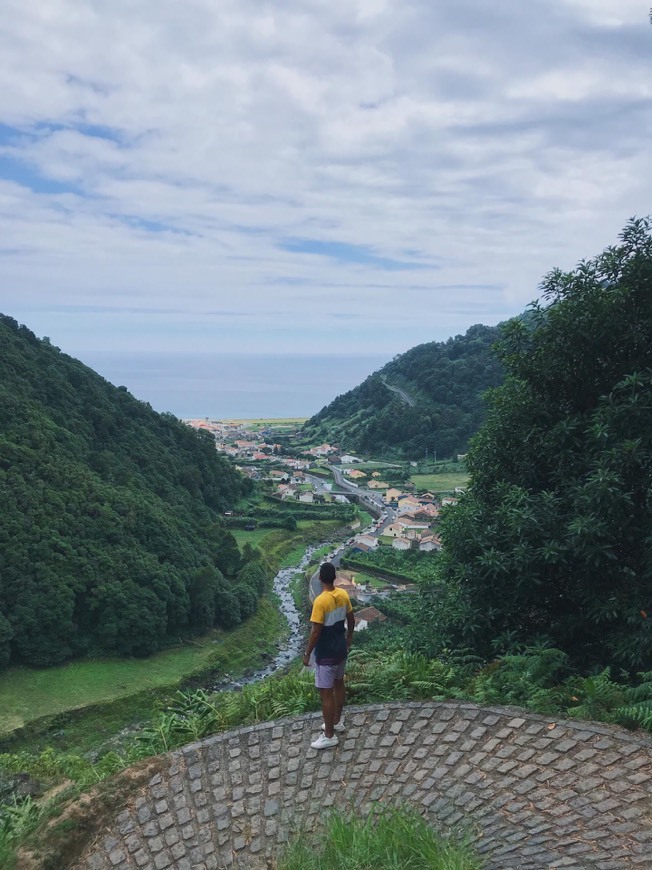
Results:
x,y
312,641
350,625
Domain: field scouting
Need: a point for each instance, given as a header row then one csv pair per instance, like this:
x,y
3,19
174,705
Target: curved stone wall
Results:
x,y
532,792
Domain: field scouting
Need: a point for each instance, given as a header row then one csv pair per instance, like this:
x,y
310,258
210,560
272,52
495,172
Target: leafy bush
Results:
x,y
17,820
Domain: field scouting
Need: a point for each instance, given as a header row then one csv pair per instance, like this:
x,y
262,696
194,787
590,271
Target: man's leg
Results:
x,y
328,710
339,695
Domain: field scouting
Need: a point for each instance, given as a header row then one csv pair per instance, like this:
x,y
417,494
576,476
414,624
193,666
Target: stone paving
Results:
x,y
531,792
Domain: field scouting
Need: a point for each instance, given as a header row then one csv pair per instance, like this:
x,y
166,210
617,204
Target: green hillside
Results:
x,y
439,407
109,541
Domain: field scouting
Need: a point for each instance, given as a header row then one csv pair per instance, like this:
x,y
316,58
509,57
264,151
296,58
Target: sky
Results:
x,y
317,177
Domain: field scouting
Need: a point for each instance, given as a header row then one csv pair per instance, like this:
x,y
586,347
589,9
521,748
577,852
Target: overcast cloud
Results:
x,y
345,175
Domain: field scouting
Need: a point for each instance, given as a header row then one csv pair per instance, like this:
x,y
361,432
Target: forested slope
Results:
x,y
445,381
108,533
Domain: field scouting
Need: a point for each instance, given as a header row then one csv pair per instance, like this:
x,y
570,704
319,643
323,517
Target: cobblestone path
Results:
x,y
533,793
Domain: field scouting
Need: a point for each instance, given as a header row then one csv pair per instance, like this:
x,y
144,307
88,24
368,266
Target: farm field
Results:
x,y
271,422
440,482
255,538
27,694
368,580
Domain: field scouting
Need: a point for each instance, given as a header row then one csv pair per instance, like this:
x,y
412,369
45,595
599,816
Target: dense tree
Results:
x,y
109,515
445,380
554,538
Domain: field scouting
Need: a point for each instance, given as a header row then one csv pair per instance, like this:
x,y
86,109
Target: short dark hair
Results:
x,y
327,573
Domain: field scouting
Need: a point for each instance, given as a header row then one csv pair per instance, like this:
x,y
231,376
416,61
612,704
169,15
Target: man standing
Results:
x,y
330,610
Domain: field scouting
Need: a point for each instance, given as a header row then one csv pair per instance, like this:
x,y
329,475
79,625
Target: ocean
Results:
x,y
230,386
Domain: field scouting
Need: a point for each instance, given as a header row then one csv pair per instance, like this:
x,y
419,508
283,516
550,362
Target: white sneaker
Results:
x,y
339,727
324,742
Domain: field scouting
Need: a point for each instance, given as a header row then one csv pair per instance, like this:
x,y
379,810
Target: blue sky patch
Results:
x,y
20,173
343,252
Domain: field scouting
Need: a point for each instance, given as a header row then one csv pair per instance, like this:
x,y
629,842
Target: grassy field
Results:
x,y
365,518
368,580
255,538
79,706
27,694
261,423
440,482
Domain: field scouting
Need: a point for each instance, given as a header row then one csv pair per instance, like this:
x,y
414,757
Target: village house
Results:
x,y
392,494
355,474
407,503
448,500
375,473
306,497
347,459
322,450
395,530
401,544
377,484
363,618
347,585
281,476
429,543
414,532
369,540
357,547
428,510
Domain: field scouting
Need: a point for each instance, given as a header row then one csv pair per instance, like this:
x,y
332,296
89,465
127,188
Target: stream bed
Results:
x,y
292,647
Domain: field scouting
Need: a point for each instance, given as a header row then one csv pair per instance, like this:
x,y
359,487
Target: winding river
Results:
x,y
291,649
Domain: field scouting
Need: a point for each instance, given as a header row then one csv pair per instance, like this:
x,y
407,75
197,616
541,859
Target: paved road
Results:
x,y
405,396
531,792
373,502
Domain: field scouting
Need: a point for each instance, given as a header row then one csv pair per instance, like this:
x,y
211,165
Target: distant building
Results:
x,y
347,585
401,544
377,484
360,548
368,540
429,543
363,618
347,459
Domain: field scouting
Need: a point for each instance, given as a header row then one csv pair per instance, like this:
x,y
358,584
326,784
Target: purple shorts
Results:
x,y
325,675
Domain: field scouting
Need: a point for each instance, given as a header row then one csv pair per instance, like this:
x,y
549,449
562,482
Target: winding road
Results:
x,y
399,392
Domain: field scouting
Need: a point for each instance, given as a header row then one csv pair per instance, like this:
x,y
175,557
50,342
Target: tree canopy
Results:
x,y
554,538
110,539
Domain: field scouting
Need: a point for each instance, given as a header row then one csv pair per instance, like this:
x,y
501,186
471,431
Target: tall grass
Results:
x,y
17,820
392,839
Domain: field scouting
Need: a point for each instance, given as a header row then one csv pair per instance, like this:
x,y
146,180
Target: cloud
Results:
x,y
171,171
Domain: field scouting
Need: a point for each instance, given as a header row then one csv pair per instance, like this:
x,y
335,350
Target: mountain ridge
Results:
x,y
110,538
426,400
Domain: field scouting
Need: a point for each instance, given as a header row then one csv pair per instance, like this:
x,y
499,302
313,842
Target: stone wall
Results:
x,y
532,792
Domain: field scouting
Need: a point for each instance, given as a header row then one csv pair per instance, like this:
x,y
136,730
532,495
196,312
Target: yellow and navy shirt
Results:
x,y
329,609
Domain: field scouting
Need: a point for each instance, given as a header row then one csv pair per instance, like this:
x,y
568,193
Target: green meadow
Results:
x,y
440,482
